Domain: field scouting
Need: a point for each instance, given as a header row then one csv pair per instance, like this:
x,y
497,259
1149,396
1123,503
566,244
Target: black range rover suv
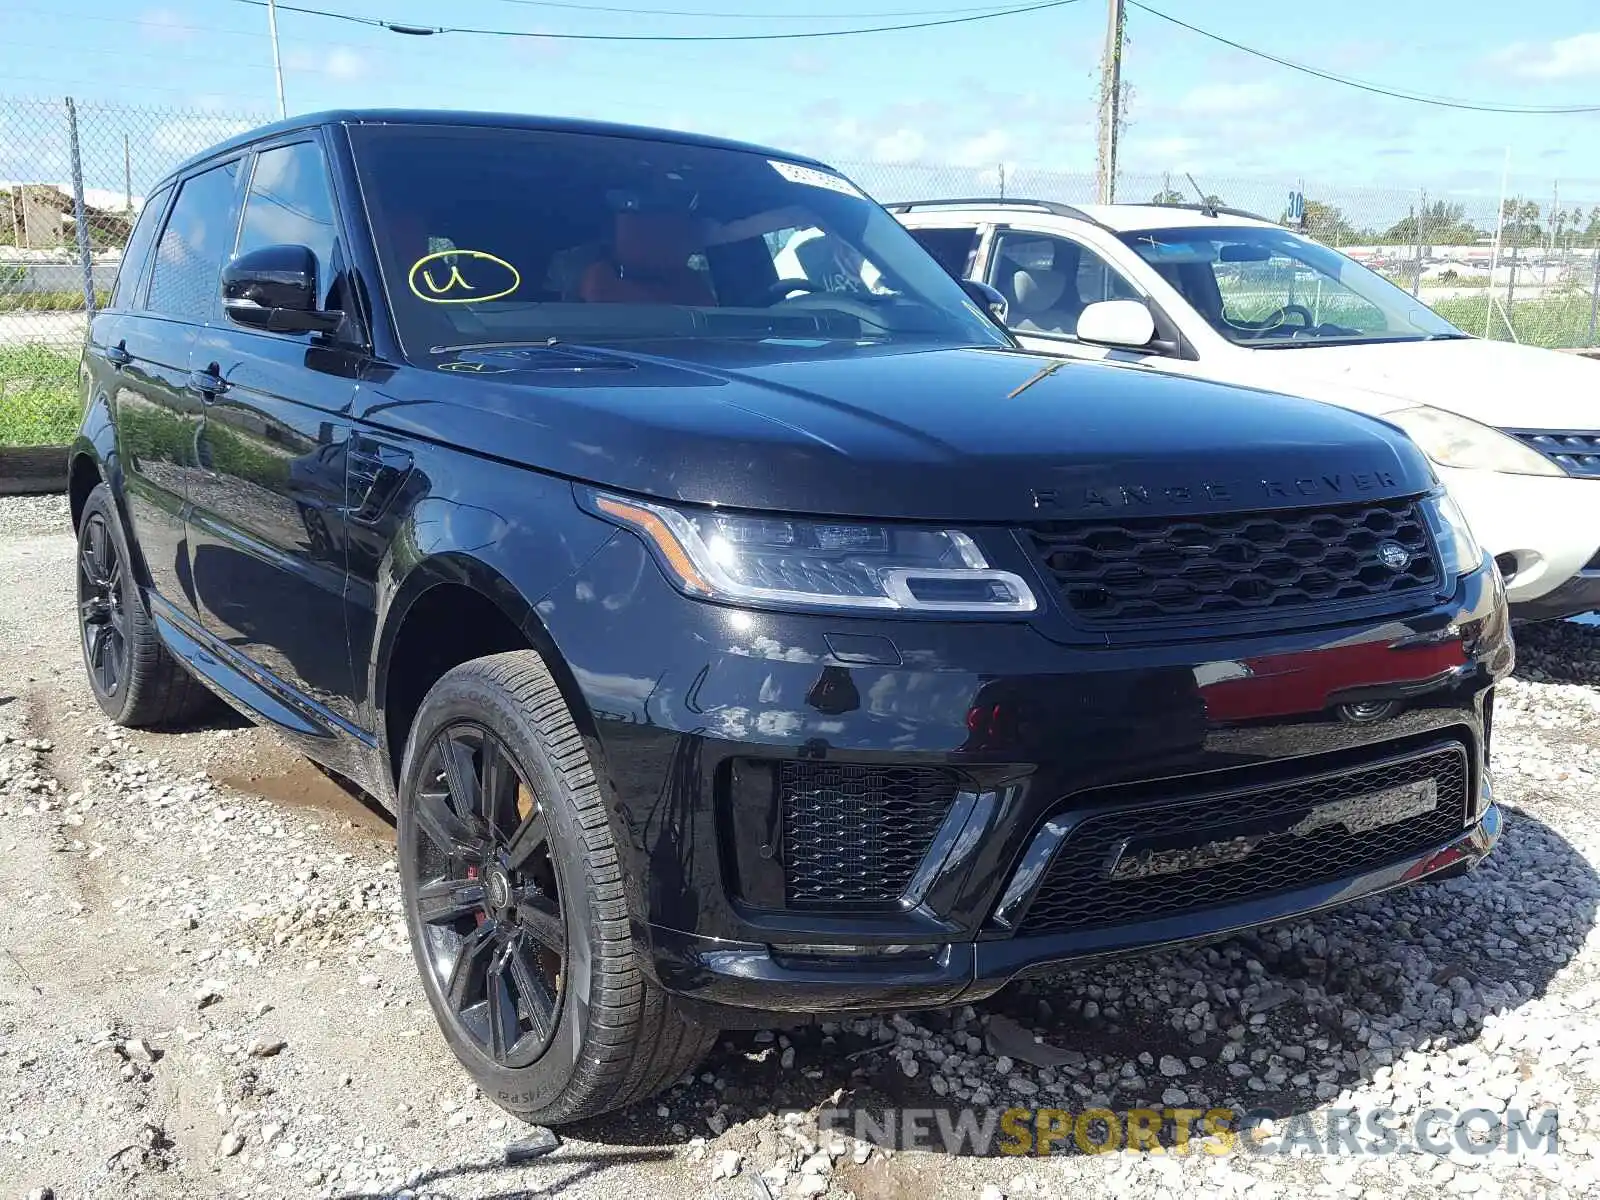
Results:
x,y
736,622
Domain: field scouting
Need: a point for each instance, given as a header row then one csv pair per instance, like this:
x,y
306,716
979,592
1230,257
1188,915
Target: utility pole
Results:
x,y
1110,105
277,62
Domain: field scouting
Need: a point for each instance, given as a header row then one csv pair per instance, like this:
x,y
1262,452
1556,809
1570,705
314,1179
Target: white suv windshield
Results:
x,y
1268,288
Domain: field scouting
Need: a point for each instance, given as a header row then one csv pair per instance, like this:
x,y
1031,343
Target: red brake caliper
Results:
x,y
477,917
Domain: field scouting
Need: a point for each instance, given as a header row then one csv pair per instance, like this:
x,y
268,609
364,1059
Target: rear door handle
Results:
x,y
118,355
207,383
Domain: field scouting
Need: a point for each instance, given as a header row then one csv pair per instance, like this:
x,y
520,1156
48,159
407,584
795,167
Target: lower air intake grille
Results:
x,y
1139,570
854,834
1576,453
1079,893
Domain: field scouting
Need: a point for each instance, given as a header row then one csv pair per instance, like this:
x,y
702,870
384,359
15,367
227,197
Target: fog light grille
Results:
x,y
854,835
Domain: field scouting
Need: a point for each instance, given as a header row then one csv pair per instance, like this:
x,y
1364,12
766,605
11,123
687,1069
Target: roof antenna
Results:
x,y
1207,207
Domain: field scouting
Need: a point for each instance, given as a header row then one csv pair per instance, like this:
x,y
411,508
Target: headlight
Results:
x,y
1458,549
1453,441
781,561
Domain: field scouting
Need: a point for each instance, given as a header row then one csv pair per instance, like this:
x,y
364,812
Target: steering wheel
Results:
x,y
783,287
1275,318
818,296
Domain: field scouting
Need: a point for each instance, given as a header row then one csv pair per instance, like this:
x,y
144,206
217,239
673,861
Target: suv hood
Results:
x,y
844,429
1495,383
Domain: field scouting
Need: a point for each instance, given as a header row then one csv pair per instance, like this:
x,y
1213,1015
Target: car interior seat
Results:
x,y
1043,299
648,263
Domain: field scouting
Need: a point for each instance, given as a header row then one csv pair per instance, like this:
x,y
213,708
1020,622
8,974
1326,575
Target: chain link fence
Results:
x,y
73,178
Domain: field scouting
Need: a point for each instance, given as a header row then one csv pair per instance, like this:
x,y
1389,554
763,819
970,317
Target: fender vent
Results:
x,y
374,474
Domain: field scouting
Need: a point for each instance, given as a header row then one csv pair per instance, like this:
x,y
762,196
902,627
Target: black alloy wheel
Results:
x,y
136,680
102,607
494,931
514,886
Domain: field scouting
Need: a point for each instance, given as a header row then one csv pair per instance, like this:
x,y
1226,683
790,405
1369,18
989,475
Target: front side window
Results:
x,y
1269,288
952,249
291,203
1049,281
137,252
189,256
505,236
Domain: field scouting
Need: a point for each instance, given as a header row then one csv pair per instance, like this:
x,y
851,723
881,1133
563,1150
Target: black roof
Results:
x,y
491,120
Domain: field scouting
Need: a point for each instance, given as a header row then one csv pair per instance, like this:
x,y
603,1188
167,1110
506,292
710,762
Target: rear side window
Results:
x,y
291,203
137,252
951,248
197,238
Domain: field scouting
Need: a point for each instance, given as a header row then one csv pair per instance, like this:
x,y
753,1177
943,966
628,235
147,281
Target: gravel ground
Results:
x,y
205,990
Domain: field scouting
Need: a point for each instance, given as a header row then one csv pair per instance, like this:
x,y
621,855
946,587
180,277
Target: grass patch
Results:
x,y
38,396
1555,322
48,301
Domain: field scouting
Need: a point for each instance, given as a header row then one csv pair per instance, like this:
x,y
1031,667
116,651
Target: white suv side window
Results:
x,y
1048,280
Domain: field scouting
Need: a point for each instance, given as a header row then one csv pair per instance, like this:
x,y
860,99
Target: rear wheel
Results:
x,y
514,901
135,680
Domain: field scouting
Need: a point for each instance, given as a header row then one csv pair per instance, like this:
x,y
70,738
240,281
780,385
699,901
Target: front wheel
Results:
x,y
514,901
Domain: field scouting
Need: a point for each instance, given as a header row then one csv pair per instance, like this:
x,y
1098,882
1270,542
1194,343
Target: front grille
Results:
x,y
1078,893
855,834
1575,453
1145,569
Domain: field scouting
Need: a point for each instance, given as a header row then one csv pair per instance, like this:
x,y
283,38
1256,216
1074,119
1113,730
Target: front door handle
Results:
x,y
208,383
118,355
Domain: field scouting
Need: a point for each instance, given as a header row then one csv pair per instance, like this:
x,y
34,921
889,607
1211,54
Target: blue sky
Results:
x,y
1017,90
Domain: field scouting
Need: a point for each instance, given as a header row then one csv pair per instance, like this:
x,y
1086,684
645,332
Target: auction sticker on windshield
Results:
x,y
795,173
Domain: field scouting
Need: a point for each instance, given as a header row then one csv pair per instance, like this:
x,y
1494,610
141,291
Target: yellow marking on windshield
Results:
x,y
435,291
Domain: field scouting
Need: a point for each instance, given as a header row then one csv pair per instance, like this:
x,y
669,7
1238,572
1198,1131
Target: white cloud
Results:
x,y
164,25
1564,58
338,64
1176,152
345,64
803,62
985,150
1216,99
902,145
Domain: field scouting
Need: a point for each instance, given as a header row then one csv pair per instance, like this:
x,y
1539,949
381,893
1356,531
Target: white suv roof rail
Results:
x,y
1049,206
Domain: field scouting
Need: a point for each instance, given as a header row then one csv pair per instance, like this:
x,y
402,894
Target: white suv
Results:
x,y
1514,431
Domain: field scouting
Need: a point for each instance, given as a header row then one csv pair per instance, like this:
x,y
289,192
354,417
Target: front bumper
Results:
x,y
1543,530
1580,594
756,976
695,714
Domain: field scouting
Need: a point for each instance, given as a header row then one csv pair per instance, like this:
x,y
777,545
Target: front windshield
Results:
x,y
492,235
1269,288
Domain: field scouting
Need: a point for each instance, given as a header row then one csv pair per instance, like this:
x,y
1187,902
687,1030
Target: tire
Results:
x,y
552,1033
136,681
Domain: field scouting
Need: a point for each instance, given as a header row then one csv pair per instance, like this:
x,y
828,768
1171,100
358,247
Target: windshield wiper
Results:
x,y
550,343
1329,340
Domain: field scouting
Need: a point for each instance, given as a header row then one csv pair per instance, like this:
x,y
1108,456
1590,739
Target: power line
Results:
x,y
1374,88
995,9
424,30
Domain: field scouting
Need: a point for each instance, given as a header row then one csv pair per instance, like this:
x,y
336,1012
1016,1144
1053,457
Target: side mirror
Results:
x,y
275,288
1124,323
987,298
